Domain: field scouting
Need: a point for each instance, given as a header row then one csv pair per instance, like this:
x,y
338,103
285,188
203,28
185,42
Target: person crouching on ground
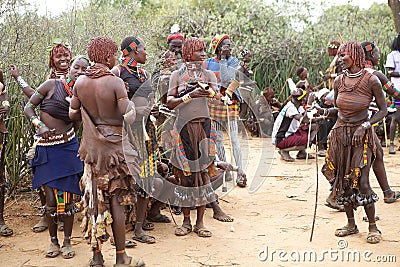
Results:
x,y
290,130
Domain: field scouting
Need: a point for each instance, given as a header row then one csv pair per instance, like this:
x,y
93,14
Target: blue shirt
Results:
x,y
225,70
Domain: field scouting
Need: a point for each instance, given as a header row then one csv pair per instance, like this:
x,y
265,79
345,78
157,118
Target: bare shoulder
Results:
x,y
47,86
382,77
49,82
374,80
116,71
115,79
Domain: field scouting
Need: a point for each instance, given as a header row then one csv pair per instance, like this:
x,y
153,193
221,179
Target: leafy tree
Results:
x,y
395,7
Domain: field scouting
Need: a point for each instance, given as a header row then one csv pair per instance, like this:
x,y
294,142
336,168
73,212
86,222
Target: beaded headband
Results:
x,y
369,47
57,41
131,46
244,52
304,93
333,46
79,57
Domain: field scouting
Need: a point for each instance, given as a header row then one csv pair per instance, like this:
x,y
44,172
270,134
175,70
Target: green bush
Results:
x,y
266,30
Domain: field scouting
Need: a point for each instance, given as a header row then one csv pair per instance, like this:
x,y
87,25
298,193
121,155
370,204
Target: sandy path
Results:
x,y
278,216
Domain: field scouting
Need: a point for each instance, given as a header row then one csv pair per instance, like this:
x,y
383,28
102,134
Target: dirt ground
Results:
x,y
272,226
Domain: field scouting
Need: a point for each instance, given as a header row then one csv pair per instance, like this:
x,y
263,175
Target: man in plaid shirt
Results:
x,y
224,66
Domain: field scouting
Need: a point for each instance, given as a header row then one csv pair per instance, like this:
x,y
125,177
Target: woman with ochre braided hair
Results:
x,y
56,167
194,134
59,63
100,100
60,56
351,144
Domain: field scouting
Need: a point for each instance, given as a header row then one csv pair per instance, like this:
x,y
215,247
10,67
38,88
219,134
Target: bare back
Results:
x,y
101,98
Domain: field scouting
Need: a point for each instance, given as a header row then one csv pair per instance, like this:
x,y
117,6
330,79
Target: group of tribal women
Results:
x,y
57,169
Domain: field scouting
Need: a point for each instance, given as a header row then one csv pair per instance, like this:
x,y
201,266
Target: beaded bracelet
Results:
x,y
31,105
38,94
387,86
5,103
36,122
186,98
21,82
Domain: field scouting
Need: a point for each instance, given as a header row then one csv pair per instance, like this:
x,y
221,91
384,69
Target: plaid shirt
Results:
x,y
218,110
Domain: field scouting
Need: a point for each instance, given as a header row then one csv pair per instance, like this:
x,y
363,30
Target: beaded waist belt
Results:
x,y
55,139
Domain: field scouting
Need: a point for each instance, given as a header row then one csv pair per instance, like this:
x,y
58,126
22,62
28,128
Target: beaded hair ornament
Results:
x,y
56,42
130,63
244,52
131,46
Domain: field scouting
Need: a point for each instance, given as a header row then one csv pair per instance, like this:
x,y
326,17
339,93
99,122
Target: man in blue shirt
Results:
x,y
224,66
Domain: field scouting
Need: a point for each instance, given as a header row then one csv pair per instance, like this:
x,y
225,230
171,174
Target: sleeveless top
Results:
x,y
352,100
57,106
136,87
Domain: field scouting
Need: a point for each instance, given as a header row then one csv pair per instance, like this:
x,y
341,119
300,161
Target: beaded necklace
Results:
x,y
368,64
353,75
131,65
246,67
359,74
60,74
68,85
191,74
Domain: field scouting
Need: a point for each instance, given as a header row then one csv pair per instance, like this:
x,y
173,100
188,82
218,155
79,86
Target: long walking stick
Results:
x,y
308,139
290,74
230,90
309,132
316,189
224,188
385,131
170,211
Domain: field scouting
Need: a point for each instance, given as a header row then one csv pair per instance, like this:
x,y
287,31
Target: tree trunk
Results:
x,y
395,7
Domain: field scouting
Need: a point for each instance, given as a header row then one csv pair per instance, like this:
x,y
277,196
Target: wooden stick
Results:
x,y
308,139
340,38
316,189
290,74
385,131
170,211
224,187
